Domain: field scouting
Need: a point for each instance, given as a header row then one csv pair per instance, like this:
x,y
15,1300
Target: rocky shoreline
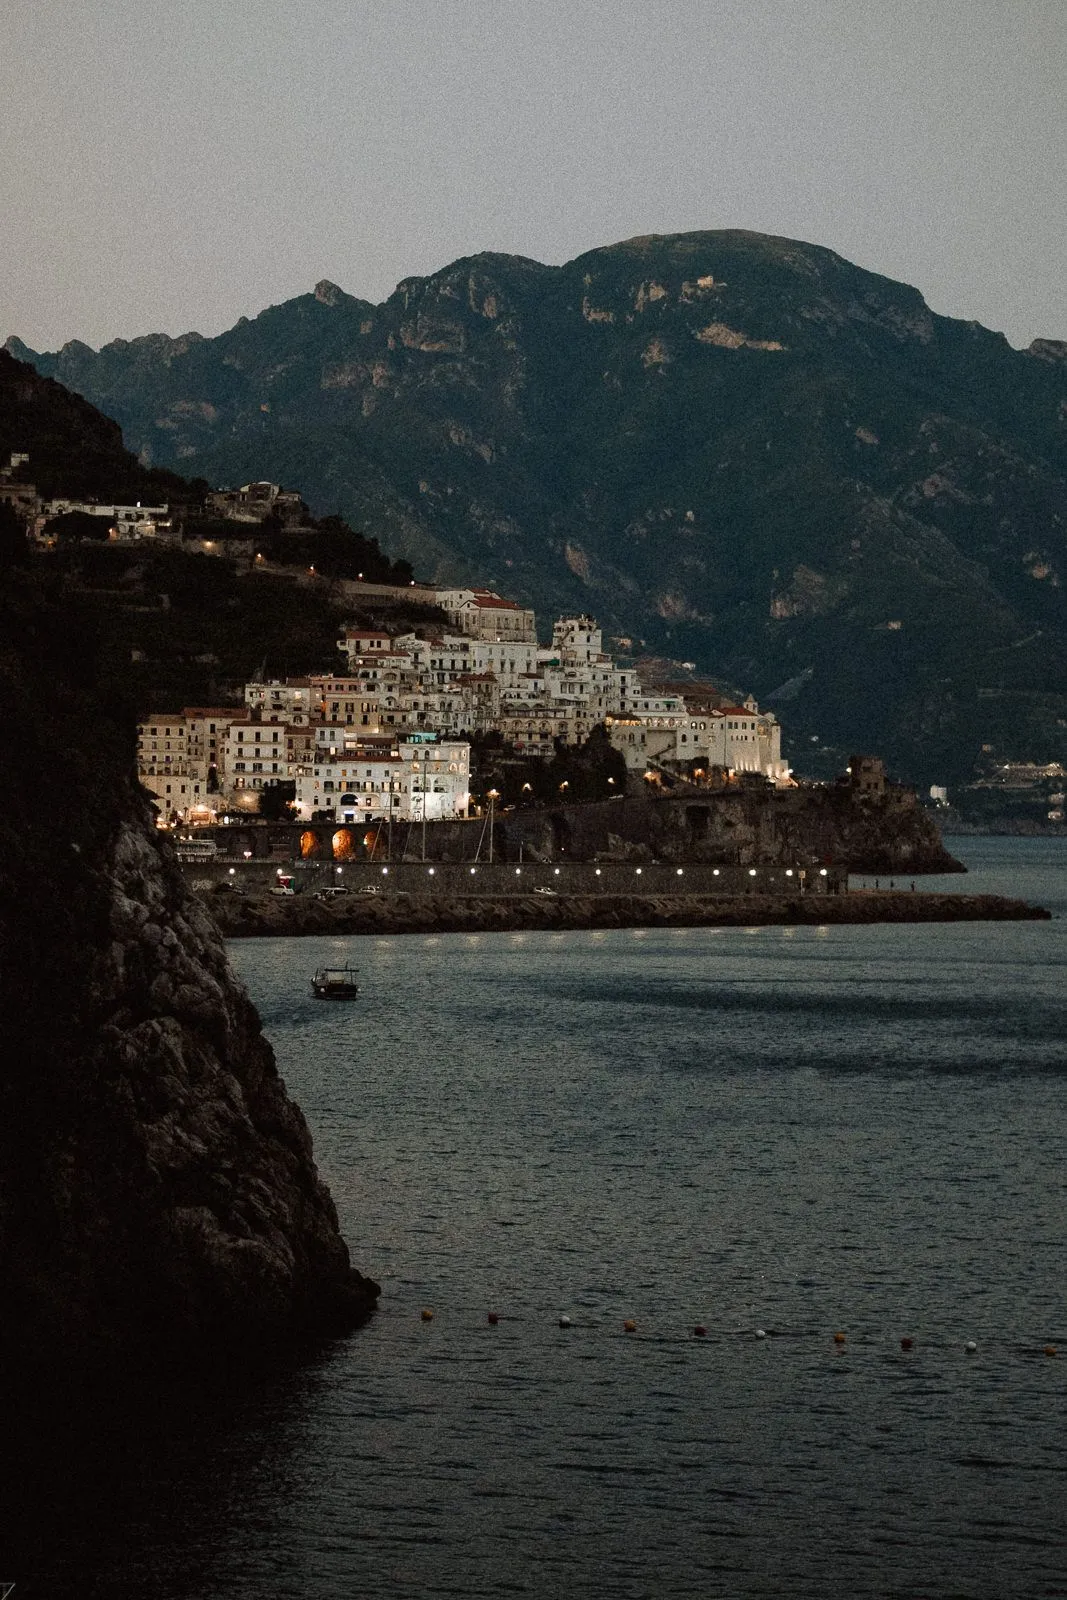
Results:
x,y
251,917
160,1206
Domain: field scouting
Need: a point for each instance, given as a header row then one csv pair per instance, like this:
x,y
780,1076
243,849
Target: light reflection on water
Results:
x,y
801,1130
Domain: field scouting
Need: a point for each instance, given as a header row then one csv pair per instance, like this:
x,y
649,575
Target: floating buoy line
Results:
x,y
837,1339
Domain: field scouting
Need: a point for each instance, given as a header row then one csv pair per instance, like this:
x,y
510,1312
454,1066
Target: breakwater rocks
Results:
x,y
159,1201
254,917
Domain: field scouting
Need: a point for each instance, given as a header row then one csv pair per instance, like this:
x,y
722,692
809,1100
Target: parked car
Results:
x,y
370,888
333,891
283,888
542,888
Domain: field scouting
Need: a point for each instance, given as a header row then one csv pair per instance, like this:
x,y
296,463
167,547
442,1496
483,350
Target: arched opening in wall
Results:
x,y
697,819
344,846
561,835
310,845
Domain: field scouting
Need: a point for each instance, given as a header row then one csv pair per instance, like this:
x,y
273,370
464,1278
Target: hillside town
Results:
x,y
388,736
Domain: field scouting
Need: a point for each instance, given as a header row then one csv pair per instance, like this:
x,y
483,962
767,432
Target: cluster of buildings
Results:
x,y
247,508
387,737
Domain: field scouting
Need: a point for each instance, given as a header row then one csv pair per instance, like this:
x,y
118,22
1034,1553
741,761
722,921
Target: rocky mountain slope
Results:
x,y
736,450
158,1196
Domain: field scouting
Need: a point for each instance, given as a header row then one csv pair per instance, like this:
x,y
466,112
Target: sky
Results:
x,y
174,166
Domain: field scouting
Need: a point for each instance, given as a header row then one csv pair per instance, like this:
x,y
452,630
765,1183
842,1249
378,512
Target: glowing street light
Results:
x,y
493,796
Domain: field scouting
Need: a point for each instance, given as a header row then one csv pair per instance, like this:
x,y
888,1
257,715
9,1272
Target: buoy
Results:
x,y
839,1338
492,1319
629,1326
970,1347
564,1322
427,1314
700,1332
1050,1349
906,1344
761,1333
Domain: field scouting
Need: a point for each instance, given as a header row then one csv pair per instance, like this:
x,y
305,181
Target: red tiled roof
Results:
x,y
486,597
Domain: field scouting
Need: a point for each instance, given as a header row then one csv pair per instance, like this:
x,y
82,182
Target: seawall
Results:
x,y
266,916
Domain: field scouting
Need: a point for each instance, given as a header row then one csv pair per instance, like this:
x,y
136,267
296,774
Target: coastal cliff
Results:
x,y
158,1192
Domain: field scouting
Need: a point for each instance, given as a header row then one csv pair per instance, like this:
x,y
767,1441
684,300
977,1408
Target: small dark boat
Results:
x,y
335,983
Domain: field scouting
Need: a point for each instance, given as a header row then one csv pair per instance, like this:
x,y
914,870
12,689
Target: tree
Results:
x,y
275,801
71,526
14,546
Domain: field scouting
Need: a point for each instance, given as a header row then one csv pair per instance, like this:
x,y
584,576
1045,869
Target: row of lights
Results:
x,y
679,871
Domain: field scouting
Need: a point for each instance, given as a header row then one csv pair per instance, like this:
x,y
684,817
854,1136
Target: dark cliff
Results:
x,y
733,449
157,1186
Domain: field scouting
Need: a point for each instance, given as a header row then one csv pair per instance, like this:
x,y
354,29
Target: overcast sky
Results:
x,y
175,164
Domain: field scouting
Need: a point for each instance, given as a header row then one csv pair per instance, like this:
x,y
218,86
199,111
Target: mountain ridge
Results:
x,y
732,448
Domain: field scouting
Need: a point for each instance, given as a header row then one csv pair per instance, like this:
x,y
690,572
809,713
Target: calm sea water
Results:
x,y
804,1131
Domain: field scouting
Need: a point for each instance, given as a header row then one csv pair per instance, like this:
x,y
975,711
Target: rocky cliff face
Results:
x,y
157,1186
733,449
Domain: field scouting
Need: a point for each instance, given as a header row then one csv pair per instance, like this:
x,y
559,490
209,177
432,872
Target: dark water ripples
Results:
x,y
793,1130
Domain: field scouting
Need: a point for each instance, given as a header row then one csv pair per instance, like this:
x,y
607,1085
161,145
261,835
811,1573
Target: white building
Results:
x,y
163,765
439,776
354,782
485,615
734,738
283,701
254,756
125,523
353,786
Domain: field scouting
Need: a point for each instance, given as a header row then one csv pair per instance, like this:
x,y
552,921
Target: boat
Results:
x,y
335,983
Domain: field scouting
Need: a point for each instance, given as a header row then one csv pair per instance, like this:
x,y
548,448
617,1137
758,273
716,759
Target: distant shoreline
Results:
x,y
302,917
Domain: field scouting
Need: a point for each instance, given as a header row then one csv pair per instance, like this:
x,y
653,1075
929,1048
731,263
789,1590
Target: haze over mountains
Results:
x,y
734,450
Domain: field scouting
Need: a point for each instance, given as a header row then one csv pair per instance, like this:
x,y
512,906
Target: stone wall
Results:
x,y
808,827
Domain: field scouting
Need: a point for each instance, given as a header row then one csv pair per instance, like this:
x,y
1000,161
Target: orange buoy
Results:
x,y
427,1314
629,1326
839,1338
1050,1349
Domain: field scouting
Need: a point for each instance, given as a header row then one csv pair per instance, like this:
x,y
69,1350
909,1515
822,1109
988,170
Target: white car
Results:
x,y
283,888
332,892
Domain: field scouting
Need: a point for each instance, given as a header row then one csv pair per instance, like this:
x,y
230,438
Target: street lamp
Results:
x,y
493,796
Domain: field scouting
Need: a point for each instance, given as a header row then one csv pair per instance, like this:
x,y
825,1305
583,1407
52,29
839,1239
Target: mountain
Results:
x,y
74,451
735,450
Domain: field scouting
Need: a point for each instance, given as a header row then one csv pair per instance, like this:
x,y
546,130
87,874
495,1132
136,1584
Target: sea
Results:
x,y
714,1262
